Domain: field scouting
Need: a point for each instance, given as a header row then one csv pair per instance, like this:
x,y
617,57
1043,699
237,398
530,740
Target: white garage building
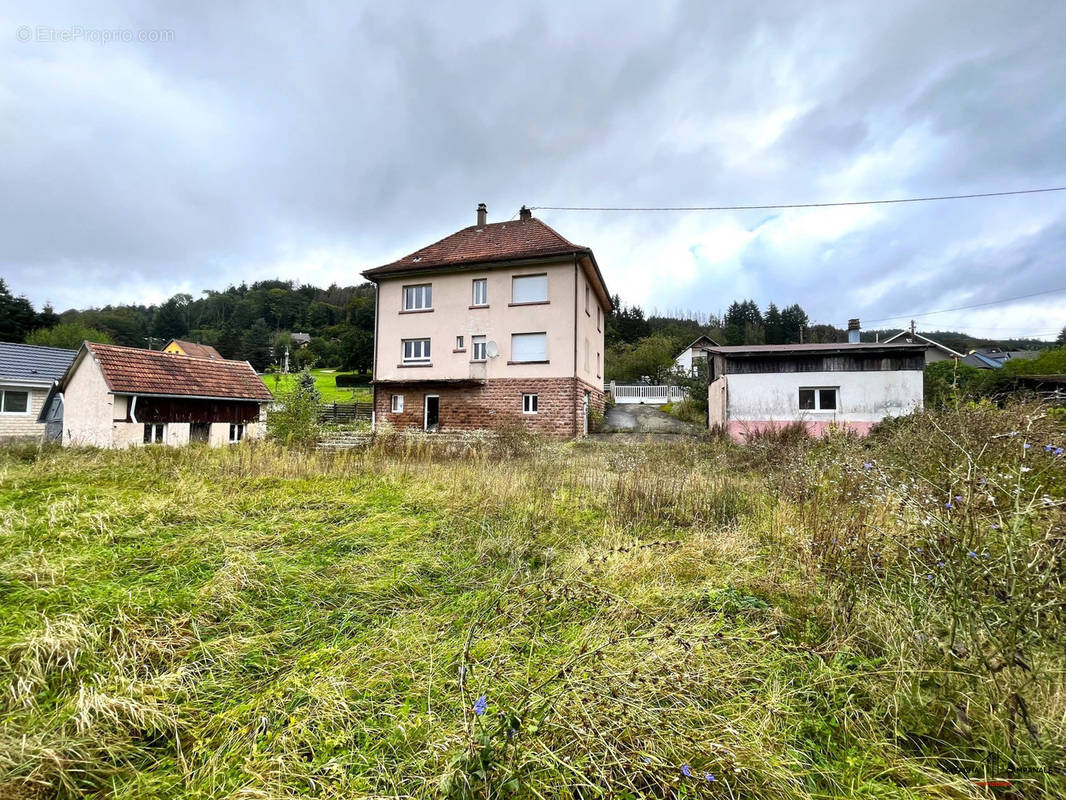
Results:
x,y
851,386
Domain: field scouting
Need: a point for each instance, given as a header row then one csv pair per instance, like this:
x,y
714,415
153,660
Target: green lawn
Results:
x,y
325,382
514,618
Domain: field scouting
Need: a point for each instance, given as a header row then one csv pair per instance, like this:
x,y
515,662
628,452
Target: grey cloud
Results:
x,y
263,136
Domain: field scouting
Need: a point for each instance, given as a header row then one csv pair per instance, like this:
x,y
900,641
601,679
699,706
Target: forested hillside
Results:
x,y
256,322
247,322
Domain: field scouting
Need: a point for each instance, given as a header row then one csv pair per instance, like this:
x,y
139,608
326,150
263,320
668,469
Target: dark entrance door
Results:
x,y
432,415
199,431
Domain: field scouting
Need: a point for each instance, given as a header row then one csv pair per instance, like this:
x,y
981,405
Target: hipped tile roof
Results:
x,y
195,349
497,241
129,370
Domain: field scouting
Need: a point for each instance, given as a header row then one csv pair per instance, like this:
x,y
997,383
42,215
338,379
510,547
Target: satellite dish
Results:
x,y
492,349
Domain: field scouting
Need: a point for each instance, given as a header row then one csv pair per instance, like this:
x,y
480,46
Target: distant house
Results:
x,y
691,356
301,340
853,386
194,349
934,353
27,373
994,357
497,324
119,397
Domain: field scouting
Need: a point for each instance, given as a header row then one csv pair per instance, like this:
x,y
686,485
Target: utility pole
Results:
x,y
912,328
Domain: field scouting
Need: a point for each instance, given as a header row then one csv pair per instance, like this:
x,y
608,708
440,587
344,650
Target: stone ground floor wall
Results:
x,y
495,404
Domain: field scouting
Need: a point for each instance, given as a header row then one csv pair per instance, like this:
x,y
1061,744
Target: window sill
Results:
x,y
417,311
478,360
462,350
530,303
484,305
412,366
528,362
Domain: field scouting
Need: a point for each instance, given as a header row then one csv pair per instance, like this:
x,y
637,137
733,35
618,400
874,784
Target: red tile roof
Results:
x,y
498,241
129,370
195,349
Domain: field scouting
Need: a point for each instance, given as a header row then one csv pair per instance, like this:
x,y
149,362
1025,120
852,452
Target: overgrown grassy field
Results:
x,y
325,382
514,618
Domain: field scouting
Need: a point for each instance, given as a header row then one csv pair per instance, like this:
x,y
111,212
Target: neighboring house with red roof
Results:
x,y
118,397
496,324
182,348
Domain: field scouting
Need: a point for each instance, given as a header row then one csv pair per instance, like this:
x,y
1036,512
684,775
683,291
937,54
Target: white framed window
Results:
x,y
397,403
527,347
481,292
530,403
478,346
236,432
460,343
13,401
818,398
415,351
418,298
529,289
155,432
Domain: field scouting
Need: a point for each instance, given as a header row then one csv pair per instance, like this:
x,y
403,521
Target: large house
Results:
x,y
497,324
852,386
123,396
27,372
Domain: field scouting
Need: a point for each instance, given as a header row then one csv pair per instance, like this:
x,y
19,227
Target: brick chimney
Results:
x,y
482,215
525,213
853,331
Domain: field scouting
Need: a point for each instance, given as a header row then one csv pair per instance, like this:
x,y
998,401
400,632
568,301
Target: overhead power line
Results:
x,y
967,308
772,206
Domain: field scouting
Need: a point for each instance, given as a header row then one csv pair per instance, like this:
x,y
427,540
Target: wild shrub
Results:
x,y
294,419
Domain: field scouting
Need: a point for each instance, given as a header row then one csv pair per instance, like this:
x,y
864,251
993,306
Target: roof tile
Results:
x,y
129,370
497,241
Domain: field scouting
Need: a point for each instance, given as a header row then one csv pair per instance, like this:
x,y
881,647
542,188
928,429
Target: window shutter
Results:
x,y
529,347
529,289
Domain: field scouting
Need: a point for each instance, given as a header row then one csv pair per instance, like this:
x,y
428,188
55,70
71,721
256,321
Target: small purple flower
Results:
x,y
940,563
647,759
995,527
1026,446
929,577
918,550
1058,451
958,498
868,466
709,778
984,554
481,705
972,554
686,770
948,505
1048,448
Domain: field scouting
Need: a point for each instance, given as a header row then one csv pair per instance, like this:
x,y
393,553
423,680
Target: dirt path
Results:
x,y
636,418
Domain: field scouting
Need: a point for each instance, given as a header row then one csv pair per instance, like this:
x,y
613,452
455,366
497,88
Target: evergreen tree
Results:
x,y
774,325
1062,337
17,317
256,345
171,319
743,323
47,317
793,320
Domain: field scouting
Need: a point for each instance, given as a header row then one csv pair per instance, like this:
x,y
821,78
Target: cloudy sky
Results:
x,y
260,140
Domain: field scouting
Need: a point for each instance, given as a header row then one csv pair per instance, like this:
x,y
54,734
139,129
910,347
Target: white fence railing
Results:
x,y
641,393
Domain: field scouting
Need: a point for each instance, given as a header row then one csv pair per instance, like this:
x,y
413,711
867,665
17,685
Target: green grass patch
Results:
x,y
326,383
665,620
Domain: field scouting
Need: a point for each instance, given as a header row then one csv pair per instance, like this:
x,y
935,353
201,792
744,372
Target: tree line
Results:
x,y
247,322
